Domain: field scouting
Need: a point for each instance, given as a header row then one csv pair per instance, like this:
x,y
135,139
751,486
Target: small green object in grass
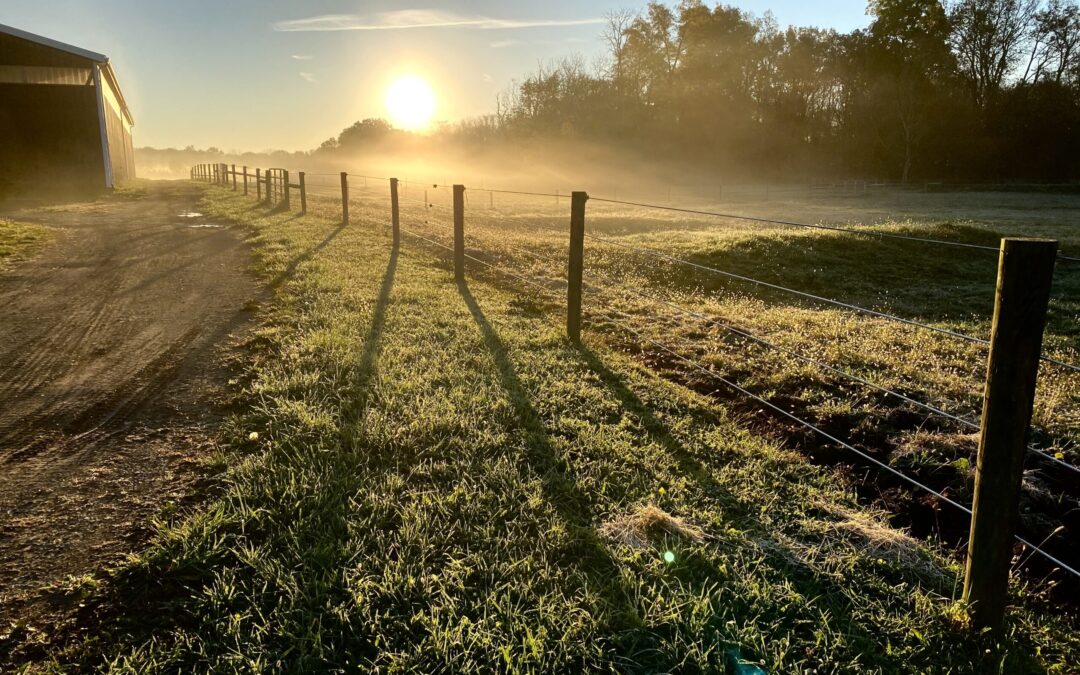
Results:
x,y
737,665
669,556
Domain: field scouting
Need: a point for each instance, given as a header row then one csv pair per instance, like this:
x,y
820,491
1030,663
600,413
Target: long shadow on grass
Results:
x,y
572,505
284,275
373,338
829,595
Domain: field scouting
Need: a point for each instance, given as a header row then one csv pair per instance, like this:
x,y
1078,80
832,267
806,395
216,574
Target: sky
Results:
x,y
281,74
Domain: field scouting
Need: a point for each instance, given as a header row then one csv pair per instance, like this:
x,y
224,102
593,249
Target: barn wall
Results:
x,y
121,152
50,137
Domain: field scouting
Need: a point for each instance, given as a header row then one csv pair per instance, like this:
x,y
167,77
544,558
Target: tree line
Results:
x,y
962,90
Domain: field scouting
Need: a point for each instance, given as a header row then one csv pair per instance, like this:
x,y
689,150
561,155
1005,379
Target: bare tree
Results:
x,y
615,36
1058,29
989,38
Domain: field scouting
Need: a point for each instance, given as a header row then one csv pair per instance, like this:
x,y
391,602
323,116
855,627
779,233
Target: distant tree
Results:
x,y
908,58
1056,52
361,134
989,37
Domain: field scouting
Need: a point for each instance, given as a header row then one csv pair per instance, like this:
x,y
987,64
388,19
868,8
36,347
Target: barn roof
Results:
x,y
100,59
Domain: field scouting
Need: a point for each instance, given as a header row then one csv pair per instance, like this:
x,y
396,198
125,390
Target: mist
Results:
x,y
701,97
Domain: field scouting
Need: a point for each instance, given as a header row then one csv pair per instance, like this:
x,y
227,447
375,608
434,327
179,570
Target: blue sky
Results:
x,y
258,74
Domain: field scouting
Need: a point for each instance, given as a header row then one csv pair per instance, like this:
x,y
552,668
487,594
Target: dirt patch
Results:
x,y
112,374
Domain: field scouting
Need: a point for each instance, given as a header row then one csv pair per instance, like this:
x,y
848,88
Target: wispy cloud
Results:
x,y
500,44
310,77
488,78
303,57
420,18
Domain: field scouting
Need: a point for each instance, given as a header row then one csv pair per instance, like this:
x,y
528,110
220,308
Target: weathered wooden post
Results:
x,y
285,185
395,219
459,233
258,184
245,181
344,198
1025,273
303,194
576,265
269,187
233,172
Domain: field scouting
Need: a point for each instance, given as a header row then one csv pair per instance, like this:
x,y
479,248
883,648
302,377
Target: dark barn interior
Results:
x,y
64,125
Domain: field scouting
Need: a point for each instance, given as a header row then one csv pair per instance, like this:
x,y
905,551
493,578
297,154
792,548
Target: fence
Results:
x,y
1014,347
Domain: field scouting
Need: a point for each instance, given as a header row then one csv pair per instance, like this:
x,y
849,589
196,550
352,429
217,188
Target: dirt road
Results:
x,y
112,343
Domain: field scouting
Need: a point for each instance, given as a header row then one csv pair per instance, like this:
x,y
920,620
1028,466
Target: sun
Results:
x,y
410,102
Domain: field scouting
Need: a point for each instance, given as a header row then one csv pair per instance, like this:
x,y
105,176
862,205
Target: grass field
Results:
x,y
18,240
426,477
948,287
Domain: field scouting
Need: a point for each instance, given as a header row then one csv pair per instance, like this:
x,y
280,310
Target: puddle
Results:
x,y
211,226
189,214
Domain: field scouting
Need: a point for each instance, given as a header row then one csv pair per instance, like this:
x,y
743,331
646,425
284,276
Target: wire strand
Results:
x,y
817,298
830,437
821,364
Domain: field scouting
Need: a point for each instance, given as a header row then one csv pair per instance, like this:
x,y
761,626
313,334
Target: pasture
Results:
x,y
423,475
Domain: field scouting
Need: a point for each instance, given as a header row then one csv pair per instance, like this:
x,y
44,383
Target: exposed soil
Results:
x,y
113,363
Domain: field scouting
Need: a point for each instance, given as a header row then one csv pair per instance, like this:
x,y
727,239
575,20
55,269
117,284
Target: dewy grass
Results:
x,y
18,240
432,469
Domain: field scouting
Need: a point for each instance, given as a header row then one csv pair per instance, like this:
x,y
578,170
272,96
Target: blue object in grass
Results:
x,y
736,665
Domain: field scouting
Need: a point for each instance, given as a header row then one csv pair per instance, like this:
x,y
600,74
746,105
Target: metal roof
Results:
x,y
100,59
55,44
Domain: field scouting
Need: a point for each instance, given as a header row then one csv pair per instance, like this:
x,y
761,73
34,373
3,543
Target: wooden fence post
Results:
x,y
258,184
459,233
245,181
269,187
303,194
233,172
576,265
344,198
395,220
1025,274
285,185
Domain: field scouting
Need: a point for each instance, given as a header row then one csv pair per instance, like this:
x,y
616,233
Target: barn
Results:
x,y
63,121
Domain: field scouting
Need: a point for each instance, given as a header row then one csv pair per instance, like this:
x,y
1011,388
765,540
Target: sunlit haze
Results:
x,y
277,74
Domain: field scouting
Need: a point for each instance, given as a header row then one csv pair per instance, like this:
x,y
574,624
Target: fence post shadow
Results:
x,y
803,575
570,503
284,274
373,337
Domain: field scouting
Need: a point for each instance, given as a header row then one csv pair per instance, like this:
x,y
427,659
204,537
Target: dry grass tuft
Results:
x,y
878,540
646,525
